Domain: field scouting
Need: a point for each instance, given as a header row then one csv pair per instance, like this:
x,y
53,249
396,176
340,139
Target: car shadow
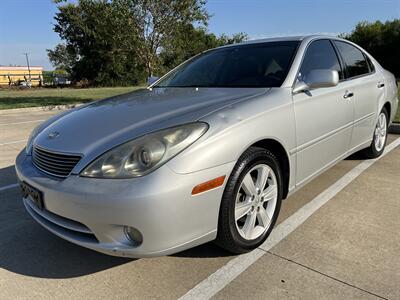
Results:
x,y
28,249
208,250
355,156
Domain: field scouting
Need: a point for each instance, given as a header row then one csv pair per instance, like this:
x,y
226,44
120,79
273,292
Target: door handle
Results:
x,y
348,95
380,85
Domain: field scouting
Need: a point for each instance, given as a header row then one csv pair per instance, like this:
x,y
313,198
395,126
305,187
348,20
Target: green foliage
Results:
x,y
157,21
47,77
121,42
100,37
190,41
62,57
381,40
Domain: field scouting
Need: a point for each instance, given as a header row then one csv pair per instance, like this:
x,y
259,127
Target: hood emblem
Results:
x,y
53,135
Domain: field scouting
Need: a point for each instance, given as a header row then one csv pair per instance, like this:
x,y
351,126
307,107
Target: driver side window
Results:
x,y
320,55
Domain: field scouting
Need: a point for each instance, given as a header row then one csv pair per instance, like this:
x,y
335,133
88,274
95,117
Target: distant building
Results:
x,y
20,76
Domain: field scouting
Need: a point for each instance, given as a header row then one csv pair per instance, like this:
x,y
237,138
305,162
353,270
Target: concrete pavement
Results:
x,y
347,249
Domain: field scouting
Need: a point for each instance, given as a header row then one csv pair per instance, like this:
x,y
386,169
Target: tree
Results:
x,y
62,58
157,22
190,41
120,42
101,36
381,40
235,38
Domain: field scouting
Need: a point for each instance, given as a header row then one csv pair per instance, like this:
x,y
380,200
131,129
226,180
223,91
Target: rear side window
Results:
x,y
354,59
320,55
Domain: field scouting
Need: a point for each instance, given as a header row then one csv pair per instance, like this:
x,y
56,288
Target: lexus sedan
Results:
x,y
209,150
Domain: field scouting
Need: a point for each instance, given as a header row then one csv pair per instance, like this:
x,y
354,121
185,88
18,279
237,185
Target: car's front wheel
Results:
x,y
251,201
380,135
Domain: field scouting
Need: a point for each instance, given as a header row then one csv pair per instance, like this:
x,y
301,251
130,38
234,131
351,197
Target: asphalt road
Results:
x,y
337,238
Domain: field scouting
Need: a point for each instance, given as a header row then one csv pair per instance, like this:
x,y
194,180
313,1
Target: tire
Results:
x,y
261,209
380,137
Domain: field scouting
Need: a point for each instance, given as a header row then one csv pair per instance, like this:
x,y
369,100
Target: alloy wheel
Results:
x,y
256,202
380,132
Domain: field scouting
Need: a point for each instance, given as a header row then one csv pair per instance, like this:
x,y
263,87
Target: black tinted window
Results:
x,y
254,65
353,58
320,55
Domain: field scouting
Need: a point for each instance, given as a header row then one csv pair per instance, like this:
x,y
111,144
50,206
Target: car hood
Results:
x,y
103,124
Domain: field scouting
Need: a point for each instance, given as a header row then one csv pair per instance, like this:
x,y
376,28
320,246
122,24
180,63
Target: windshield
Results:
x,y
251,65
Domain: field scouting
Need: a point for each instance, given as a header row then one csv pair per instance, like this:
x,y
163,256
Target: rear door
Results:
x,y
367,87
323,117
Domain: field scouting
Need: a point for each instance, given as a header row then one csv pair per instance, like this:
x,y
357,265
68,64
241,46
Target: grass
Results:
x,y
56,96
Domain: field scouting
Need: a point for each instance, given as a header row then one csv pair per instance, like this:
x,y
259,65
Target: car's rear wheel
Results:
x,y
251,201
380,136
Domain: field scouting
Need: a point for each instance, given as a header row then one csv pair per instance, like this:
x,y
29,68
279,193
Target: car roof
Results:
x,y
283,39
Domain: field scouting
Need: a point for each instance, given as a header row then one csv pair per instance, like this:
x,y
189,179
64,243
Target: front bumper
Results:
x,y
93,212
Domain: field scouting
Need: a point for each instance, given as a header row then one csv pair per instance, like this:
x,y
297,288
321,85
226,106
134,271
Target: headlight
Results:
x,y
145,154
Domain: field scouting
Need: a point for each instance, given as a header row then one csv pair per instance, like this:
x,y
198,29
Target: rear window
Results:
x,y
251,65
354,59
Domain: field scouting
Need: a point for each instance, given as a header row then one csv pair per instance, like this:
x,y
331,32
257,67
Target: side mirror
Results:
x,y
152,79
318,78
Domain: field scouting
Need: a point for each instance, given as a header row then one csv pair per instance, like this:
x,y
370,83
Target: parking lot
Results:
x,y
337,238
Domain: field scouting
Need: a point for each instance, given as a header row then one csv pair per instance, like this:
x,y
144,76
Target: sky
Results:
x,y
27,25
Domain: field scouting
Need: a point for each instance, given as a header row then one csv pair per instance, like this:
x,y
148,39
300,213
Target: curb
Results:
x,y
394,128
39,108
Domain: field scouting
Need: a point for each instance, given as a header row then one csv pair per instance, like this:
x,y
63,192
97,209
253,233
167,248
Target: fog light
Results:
x,y
133,235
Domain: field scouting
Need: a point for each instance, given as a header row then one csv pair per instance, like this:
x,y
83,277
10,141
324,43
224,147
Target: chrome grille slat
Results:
x,y
57,159
54,163
51,171
54,172
44,165
56,155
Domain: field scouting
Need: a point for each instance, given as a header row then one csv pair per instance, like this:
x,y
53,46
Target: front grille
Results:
x,y
54,163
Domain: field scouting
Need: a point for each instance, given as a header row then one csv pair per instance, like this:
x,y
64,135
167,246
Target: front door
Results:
x,y
324,116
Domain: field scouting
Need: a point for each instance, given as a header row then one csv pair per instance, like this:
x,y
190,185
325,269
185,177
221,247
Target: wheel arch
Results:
x,y
277,149
388,108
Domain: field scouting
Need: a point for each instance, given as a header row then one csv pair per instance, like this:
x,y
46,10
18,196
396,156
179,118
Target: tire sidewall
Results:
x,y
258,157
373,148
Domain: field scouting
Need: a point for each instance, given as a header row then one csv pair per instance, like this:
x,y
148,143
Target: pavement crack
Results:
x,y
326,275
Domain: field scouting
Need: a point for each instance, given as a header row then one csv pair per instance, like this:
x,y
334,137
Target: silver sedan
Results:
x,y
209,150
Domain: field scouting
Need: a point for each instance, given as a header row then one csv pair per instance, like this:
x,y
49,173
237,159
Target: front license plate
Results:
x,y
33,194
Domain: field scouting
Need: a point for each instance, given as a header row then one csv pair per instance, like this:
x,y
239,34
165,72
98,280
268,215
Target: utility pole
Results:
x,y
29,68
